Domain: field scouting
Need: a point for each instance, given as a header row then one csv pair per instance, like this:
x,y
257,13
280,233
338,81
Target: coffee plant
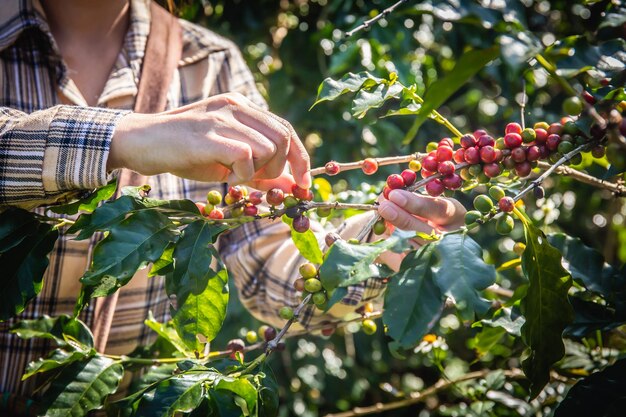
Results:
x,y
535,330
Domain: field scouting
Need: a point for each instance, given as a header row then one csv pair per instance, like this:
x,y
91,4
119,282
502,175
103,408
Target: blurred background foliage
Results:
x,y
291,46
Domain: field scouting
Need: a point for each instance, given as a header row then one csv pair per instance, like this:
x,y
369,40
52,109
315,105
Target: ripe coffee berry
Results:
x,y
236,192
214,197
555,129
408,176
446,142
425,173
506,204
485,140
216,214
301,224
301,193
513,128
308,270
487,154
236,345
332,168
387,190
483,203
512,140
468,141
444,153
255,197
518,154
200,207
533,153
275,197
395,181
492,170
415,165
523,169
313,285
478,133
446,168
435,188
430,163
597,151
459,156
331,238
269,333
250,210
472,155
541,135
328,331
553,142
452,182
298,284
286,313
370,166
539,192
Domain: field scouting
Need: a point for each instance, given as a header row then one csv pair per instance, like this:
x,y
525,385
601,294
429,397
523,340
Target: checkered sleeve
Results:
x,y
47,154
237,75
263,262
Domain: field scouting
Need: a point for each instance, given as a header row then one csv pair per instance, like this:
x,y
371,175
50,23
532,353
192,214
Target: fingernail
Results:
x,y
398,197
388,212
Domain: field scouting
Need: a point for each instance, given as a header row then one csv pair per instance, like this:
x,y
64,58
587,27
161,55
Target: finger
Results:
x,y
402,219
234,155
263,149
285,182
441,211
298,157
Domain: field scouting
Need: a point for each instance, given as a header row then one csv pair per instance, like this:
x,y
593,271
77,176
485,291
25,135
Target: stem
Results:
x,y
522,107
368,23
62,223
618,189
419,396
438,117
272,344
143,361
390,160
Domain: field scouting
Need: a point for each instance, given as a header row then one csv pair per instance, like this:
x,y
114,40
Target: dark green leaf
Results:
x,y
89,203
367,99
331,89
241,387
545,306
306,243
467,66
62,329
507,318
15,226
181,393
82,387
133,243
600,394
413,302
167,332
23,267
56,359
200,283
485,341
463,273
165,264
576,54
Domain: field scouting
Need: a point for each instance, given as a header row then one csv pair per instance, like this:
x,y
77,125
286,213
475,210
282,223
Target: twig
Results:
x,y
617,189
522,106
390,160
419,396
368,23
272,344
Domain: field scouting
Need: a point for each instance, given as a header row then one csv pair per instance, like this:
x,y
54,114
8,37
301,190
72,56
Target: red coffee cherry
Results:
x,y
478,133
513,128
472,155
408,176
459,156
506,204
444,153
301,224
533,153
301,193
426,173
369,166
395,181
386,191
598,151
468,141
553,142
541,135
201,208
430,163
236,345
446,142
435,188
332,168
236,192
512,140
452,182
216,214
518,154
523,169
508,162
250,210
588,97
275,197
555,129
487,154
446,168
269,334
485,140
255,197
491,170
329,239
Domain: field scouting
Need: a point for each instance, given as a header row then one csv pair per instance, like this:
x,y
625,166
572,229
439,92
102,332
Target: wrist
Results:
x,y
127,142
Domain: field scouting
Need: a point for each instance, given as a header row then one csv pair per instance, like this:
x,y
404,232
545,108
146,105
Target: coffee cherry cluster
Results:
x,y
267,333
308,283
484,205
368,165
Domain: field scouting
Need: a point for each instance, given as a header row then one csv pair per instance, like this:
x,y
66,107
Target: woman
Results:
x,y
71,72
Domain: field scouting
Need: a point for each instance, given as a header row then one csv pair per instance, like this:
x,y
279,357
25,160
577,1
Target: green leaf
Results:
x,y
132,244
200,283
486,340
600,394
467,66
575,55
23,263
241,387
306,243
367,99
413,302
545,306
82,387
15,226
181,393
62,329
508,319
167,332
331,89
88,203
54,360
463,273
165,264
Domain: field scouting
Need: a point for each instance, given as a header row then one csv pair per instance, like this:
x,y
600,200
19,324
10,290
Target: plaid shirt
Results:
x,y
52,145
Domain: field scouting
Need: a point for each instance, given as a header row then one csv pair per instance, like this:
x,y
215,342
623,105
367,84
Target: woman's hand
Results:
x,y
410,211
222,138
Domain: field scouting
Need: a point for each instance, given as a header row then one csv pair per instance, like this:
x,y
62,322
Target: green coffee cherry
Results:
x,y
379,227
290,201
313,285
319,298
471,216
528,135
505,224
252,336
324,211
483,203
573,106
214,197
308,270
286,313
369,327
496,193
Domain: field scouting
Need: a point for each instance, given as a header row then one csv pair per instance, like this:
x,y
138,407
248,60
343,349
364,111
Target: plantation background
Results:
x,y
291,46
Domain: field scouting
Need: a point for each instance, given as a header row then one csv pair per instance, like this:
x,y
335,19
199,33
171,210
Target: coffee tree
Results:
x,y
527,324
